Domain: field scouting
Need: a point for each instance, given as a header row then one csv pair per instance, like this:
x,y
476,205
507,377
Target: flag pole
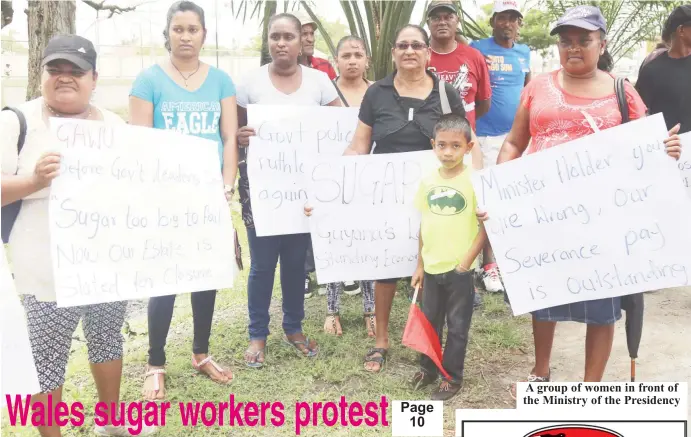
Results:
x,y
415,294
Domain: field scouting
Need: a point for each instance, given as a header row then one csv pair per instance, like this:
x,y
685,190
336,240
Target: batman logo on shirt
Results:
x,y
446,201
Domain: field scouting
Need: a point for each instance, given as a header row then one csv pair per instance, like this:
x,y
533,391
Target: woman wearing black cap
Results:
x,y
67,85
555,108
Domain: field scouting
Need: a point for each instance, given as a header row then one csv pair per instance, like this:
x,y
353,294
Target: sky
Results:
x,y
147,22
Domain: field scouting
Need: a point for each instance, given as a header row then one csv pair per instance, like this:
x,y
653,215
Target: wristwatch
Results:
x,y
229,189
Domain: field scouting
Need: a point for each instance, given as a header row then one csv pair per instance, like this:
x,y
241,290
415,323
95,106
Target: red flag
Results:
x,y
420,335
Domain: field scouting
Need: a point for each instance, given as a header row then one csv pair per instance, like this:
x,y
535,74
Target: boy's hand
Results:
x,y
461,268
418,277
308,211
481,215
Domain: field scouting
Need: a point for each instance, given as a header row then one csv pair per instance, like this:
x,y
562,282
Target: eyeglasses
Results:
x,y
414,45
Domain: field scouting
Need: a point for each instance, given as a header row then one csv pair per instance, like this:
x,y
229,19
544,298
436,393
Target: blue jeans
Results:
x,y
265,253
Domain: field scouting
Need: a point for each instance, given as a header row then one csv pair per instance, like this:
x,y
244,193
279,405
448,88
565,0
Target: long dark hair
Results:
x,y
347,38
423,32
182,6
290,17
606,62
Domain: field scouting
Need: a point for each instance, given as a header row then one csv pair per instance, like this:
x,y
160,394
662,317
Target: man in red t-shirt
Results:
x,y
459,64
309,27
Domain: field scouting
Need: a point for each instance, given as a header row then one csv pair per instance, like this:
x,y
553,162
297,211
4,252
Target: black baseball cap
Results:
x,y
72,48
680,15
584,17
436,5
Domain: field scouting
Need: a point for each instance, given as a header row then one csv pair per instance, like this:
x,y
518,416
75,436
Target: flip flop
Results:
x,y
157,386
255,364
297,343
210,360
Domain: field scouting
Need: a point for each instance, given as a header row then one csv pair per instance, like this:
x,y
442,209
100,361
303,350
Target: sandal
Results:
x,y
210,360
332,325
157,385
311,353
381,360
371,324
254,363
531,378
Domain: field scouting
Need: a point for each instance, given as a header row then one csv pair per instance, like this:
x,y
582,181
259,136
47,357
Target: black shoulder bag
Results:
x,y
11,211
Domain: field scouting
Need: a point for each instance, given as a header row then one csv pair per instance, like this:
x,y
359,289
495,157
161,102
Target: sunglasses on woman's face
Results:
x,y
415,45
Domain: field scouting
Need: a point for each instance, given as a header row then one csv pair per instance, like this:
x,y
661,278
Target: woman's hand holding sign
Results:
x,y
244,134
47,168
673,143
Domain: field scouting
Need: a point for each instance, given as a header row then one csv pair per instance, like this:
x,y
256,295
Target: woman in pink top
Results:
x,y
558,107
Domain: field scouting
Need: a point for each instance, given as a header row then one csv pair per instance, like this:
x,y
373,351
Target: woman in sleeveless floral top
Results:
x,y
558,107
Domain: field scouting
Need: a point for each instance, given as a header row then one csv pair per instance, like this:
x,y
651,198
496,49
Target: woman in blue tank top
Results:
x,y
193,98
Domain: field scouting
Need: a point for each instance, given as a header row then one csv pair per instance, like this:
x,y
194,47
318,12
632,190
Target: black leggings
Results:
x,y
161,313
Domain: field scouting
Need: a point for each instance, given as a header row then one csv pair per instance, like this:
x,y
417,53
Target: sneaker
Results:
x,y
446,391
110,430
351,288
491,280
308,289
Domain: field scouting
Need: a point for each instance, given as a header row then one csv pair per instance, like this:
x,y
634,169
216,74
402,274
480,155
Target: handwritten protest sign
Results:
x,y
314,129
275,166
593,218
684,163
364,224
137,212
19,375
278,188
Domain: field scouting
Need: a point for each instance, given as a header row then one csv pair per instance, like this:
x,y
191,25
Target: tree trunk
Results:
x,y
269,11
7,12
46,19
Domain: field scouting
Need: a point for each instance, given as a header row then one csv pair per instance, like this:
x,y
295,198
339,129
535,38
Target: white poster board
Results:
x,y
597,217
17,362
135,213
278,188
285,135
365,225
314,129
684,163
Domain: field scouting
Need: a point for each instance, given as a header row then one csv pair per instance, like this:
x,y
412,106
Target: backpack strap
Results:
x,y
340,94
619,89
445,106
22,128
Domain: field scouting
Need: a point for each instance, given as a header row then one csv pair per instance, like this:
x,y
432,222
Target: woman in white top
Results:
x,y
281,82
68,80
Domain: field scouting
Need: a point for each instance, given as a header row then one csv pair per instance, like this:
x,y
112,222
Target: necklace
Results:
x,y
199,64
55,114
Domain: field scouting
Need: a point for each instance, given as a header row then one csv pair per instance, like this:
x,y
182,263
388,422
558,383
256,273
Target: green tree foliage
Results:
x,y
534,32
629,22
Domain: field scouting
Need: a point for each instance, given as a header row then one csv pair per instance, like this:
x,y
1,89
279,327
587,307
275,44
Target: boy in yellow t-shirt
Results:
x,y
451,239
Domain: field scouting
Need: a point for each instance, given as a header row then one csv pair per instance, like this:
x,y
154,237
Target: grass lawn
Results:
x,y
338,371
